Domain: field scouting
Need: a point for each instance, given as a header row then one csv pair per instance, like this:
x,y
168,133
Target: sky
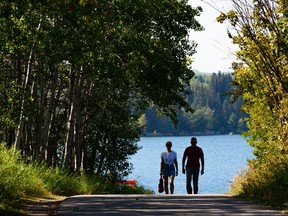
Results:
x,y
215,49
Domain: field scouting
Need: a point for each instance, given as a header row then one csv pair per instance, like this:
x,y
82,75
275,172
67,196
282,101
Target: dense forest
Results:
x,y
215,111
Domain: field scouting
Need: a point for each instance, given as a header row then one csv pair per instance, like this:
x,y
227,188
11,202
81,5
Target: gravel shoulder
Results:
x,y
43,207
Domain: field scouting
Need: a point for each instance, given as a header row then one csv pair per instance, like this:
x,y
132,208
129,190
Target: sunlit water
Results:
x,y
225,157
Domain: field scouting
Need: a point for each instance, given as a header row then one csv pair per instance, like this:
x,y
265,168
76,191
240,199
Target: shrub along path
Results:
x,y
121,205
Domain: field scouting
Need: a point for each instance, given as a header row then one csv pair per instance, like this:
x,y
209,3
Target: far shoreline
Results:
x,y
190,134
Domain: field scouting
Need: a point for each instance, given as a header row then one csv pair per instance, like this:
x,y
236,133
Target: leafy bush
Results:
x,y
265,180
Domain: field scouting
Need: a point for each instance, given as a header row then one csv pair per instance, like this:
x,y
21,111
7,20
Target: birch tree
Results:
x,y
84,72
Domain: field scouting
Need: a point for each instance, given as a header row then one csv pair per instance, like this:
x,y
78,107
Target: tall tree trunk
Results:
x,y
19,130
69,155
48,115
52,155
78,125
38,95
70,125
25,89
93,153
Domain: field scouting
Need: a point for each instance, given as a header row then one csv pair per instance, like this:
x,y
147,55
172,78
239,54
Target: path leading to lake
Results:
x,y
123,205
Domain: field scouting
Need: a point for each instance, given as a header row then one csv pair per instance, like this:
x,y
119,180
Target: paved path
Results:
x,y
121,205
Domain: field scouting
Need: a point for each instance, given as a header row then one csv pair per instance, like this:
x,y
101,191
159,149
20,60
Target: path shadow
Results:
x,y
160,205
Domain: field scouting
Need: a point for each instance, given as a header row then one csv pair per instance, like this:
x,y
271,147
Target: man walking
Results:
x,y
194,156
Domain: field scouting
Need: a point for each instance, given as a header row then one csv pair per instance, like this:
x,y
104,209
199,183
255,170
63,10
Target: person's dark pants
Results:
x,y
189,174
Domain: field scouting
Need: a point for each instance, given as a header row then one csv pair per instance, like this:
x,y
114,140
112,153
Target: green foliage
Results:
x,y
66,184
260,31
77,75
265,181
63,183
215,110
17,180
20,181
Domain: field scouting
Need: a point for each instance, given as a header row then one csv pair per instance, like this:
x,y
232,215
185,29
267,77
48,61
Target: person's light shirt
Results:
x,y
169,157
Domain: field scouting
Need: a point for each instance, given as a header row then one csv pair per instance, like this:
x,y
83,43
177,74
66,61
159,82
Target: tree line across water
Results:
x,y
216,112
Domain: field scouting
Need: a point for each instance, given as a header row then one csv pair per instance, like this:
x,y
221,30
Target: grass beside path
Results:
x,y
23,184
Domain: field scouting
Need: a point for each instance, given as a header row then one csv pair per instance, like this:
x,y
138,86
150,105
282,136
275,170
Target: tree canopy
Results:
x,y
76,75
259,28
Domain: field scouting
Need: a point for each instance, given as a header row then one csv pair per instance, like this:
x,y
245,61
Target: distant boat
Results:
x,y
231,133
155,133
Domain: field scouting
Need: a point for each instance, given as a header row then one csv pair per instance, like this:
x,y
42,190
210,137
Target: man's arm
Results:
x,y
202,164
183,164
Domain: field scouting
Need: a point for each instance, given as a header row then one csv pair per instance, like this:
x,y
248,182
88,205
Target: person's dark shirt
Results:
x,y
193,153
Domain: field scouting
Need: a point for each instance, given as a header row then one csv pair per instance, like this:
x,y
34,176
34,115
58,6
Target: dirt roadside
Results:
x,y
43,207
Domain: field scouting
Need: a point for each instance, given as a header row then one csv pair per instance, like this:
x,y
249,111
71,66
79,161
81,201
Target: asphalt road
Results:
x,y
121,205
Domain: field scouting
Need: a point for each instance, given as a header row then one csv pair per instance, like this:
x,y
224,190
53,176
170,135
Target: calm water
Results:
x,y
225,156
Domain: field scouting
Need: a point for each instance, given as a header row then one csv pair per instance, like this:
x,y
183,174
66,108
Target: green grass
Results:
x,y
17,180
265,181
20,182
11,212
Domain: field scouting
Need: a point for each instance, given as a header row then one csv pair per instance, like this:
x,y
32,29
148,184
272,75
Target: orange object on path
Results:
x,y
131,183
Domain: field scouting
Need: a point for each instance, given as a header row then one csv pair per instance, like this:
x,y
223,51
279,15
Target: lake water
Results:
x,y
225,157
